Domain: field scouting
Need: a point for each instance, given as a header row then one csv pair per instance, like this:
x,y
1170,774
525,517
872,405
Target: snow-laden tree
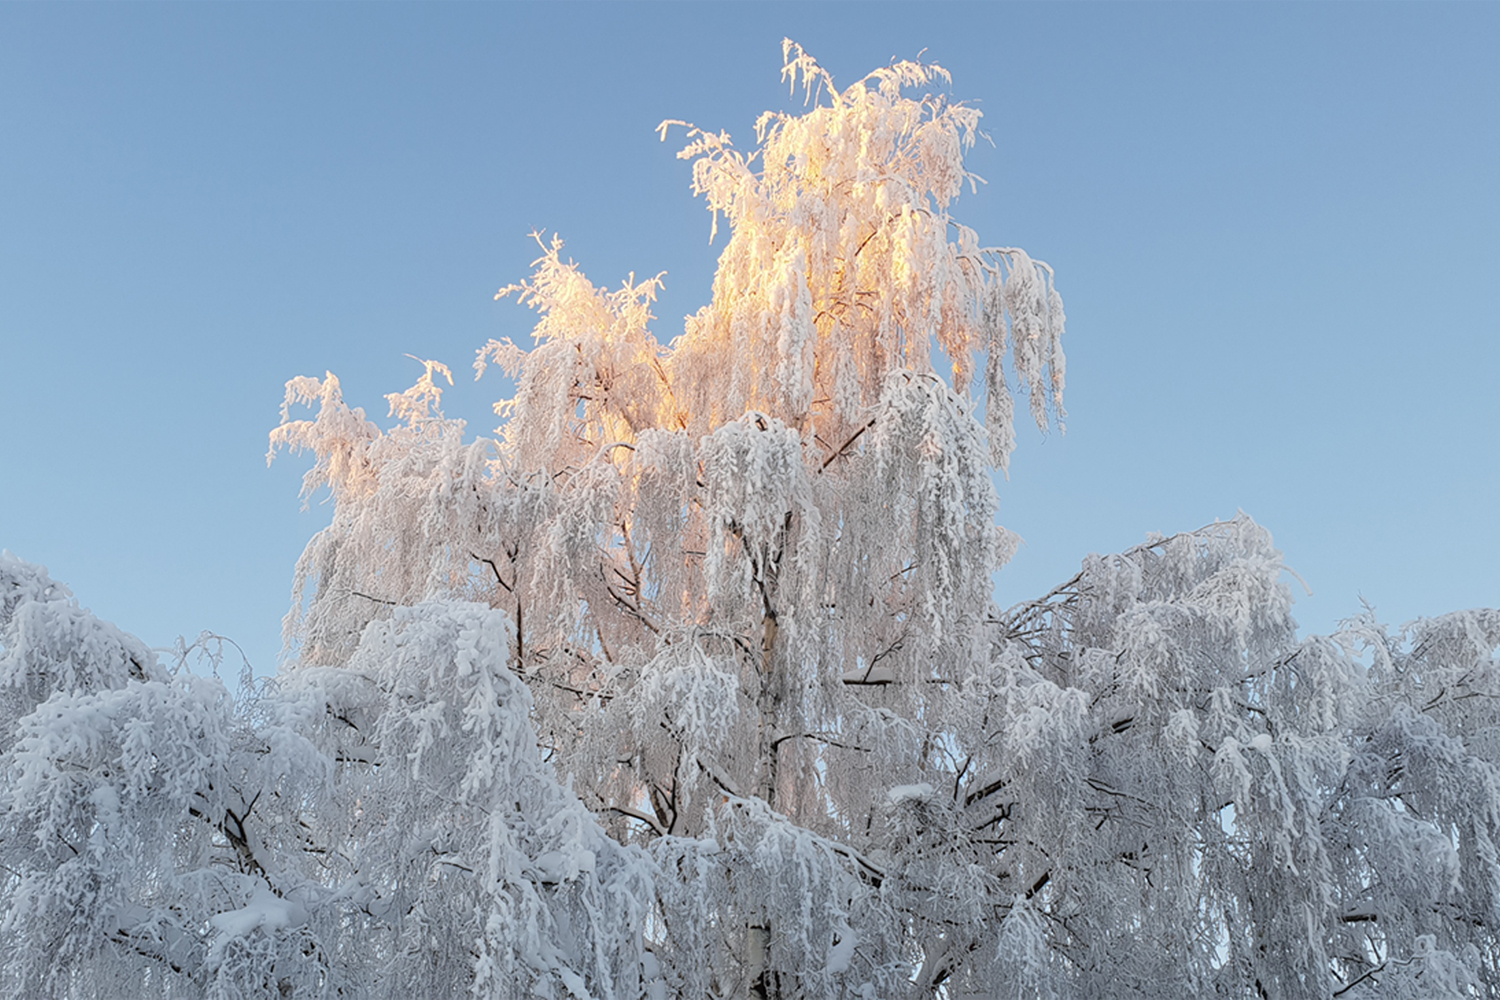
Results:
x,y
384,830
690,684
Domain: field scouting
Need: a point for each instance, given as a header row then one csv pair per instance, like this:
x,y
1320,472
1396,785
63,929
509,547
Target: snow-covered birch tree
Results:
x,y
689,682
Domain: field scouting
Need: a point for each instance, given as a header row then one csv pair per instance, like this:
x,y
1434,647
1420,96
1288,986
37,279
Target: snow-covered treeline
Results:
x,y
1152,789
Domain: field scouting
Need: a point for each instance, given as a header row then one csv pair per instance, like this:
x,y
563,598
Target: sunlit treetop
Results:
x,y
843,268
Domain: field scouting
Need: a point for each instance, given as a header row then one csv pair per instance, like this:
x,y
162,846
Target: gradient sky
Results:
x,y
1276,229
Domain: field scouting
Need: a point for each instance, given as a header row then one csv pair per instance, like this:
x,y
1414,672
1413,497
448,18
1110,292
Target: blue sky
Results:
x,y
1276,229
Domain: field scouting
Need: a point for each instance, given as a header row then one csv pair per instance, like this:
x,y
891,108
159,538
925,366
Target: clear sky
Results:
x,y
1276,229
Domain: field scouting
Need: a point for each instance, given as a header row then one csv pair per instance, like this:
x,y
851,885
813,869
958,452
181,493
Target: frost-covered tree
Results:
x,y
387,829
689,683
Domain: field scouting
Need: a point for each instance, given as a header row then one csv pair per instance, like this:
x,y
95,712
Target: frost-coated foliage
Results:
x,y
383,830
690,683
